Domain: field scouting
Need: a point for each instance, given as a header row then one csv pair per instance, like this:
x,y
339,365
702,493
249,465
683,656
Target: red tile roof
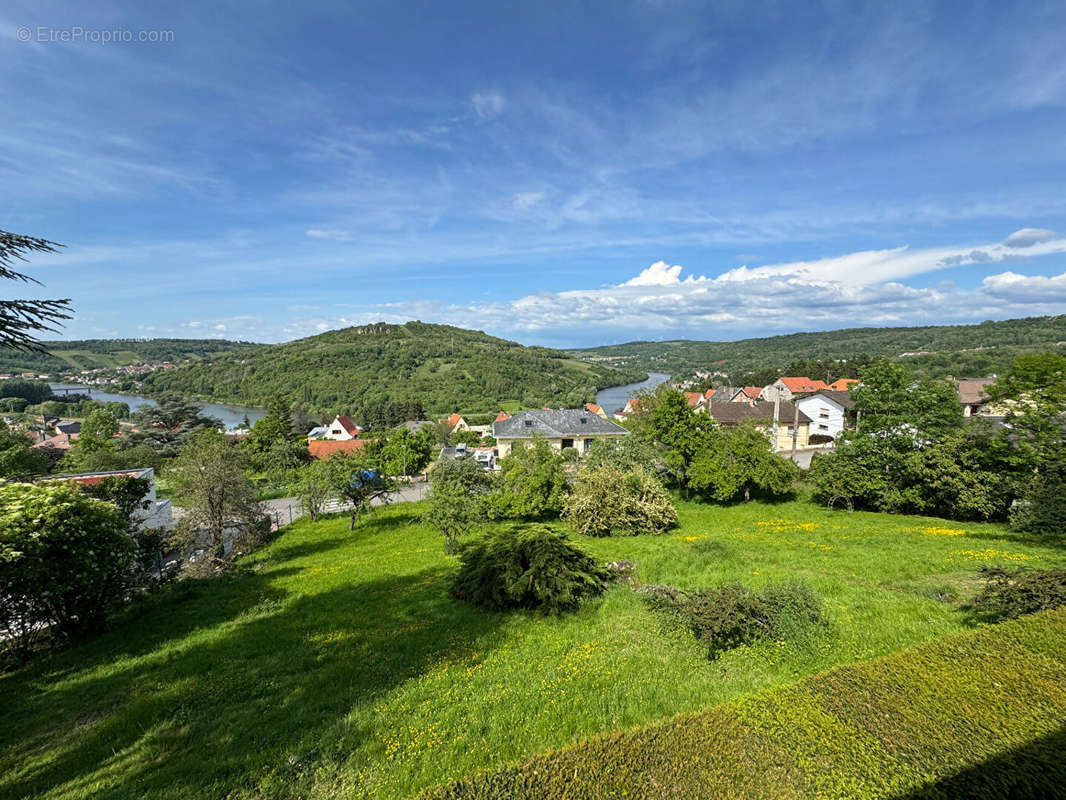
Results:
x,y
347,424
502,416
709,393
60,442
595,409
803,384
324,448
692,398
843,385
753,391
453,420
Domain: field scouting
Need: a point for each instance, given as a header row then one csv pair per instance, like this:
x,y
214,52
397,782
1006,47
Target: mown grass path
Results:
x,y
341,666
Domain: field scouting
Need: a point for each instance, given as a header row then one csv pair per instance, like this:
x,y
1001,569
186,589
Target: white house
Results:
x,y
342,429
826,409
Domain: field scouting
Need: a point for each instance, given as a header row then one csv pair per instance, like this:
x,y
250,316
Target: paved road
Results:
x,y
284,510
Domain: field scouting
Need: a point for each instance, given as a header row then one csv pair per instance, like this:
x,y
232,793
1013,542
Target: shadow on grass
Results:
x,y
248,706
1035,770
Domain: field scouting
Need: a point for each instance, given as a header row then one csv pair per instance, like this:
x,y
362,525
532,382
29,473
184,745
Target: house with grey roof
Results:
x,y
791,422
827,410
561,428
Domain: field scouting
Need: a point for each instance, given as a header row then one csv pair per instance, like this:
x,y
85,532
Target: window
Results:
x,y
529,423
823,427
584,421
824,415
588,444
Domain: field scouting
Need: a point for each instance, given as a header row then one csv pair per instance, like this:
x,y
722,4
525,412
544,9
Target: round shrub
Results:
x,y
527,566
606,500
731,615
1010,593
64,556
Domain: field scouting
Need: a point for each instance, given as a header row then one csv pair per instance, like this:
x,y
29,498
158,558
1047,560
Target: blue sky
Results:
x,y
556,173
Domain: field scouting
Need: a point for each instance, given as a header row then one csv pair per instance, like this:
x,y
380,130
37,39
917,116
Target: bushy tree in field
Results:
x,y
313,485
680,435
212,486
892,401
606,500
458,488
359,479
527,566
64,558
912,454
406,453
739,463
532,483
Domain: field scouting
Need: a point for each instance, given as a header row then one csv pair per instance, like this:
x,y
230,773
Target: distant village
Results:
x,y
798,414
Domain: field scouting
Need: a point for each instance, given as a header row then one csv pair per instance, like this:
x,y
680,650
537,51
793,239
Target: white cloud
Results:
x,y
328,233
658,274
1012,287
220,327
1027,237
487,104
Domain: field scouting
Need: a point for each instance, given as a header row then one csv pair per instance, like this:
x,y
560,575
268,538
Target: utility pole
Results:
x,y
777,419
795,428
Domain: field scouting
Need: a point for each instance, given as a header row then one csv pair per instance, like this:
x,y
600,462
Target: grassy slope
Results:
x,y
342,667
977,715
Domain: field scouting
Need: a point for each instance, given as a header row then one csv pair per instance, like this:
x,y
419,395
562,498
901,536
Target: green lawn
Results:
x,y
340,666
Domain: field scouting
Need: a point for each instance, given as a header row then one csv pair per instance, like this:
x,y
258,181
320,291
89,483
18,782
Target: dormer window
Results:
x,y
584,421
529,423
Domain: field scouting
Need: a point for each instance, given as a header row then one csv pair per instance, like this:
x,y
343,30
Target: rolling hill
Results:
x,y
76,355
932,350
443,368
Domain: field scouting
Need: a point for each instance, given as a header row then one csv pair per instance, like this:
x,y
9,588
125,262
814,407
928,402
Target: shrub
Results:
x,y
819,438
533,484
607,500
527,566
731,615
1042,507
1010,593
64,557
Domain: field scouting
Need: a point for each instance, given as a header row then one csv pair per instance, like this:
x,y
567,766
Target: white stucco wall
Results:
x,y
827,416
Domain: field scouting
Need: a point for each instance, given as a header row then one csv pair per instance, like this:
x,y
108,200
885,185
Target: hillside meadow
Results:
x,y
337,664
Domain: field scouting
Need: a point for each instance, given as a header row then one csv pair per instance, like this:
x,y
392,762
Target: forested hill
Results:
x,y
959,350
441,367
76,355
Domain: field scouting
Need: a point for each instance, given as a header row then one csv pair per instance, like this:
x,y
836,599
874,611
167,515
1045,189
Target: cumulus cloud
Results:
x,y
487,104
1017,288
658,274
328,233
1027,237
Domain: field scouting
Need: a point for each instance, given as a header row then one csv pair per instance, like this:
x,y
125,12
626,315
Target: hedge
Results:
x,y
981,714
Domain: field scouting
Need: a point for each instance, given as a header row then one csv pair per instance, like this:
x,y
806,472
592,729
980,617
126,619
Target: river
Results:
x,y
616,397
231,416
